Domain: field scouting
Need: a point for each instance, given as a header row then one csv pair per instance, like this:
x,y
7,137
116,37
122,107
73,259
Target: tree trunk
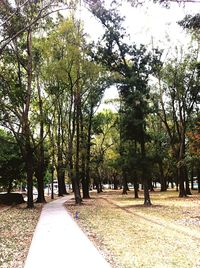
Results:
x,y
181,167
28,150
40,188
40,172
198,178
97,182
147,201
188,191
29,169
9,186
84,155
115,181
162,178
60,164
192,178
86,193
182,191
77,193
124,182
52,179
136,189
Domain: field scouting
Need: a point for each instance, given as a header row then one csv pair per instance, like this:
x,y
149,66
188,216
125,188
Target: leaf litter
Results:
x,y
17,225
133,236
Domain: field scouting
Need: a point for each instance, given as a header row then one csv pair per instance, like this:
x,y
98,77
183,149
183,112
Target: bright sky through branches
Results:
x,y
147,22
150,24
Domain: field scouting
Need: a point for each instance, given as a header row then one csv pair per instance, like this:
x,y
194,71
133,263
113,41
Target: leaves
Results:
x,y
123,228
16,230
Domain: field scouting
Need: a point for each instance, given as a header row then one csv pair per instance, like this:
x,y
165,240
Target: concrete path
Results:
x,y
58,242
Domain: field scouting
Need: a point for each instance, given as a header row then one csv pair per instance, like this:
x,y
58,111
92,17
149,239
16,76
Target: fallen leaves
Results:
x,y
131,235
17,225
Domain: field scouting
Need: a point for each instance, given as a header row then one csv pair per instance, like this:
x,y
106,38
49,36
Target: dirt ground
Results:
x,y
167,234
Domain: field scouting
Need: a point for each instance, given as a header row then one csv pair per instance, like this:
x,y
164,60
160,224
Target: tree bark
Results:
x,y
77,193
124,182
192,178
29,169
198,179
86,193
40,166
147,200
187,185
136,185
162,178
181,167
28,150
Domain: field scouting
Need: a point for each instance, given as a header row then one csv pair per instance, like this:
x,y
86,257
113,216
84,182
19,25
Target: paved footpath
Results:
x,y
58,242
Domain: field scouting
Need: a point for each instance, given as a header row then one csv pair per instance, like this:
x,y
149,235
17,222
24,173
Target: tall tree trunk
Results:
x,y
40,172
147,200
77,193
70,163
28,154
60,164
181,167
83,142
86,193
59,157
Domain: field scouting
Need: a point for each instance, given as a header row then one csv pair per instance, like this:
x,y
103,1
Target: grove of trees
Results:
x,y
52,81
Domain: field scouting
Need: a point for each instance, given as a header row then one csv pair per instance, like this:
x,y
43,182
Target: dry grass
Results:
x,y
131,235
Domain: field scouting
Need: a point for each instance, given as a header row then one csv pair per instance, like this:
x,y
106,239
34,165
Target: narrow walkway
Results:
x,y
59,242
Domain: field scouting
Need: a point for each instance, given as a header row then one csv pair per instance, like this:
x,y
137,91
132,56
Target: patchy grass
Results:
x,y
166,234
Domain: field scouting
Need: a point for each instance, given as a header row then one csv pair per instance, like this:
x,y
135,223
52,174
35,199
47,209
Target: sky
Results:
x,y
143,23
150,24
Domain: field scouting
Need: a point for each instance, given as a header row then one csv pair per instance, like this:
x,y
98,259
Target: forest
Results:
x,y
52,82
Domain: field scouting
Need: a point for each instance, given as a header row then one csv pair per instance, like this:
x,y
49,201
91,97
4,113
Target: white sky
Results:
x,y
143,23
148,24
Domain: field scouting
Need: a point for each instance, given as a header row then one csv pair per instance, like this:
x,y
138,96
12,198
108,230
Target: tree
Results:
x,y
13,17
75,85
194,150
158,147
18,79
181,89
132,68
104,129
11,162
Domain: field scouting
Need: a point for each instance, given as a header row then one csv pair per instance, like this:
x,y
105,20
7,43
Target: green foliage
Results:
x,y
11,163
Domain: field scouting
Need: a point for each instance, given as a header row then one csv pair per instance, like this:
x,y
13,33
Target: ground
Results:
x,y
17,225
166,234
